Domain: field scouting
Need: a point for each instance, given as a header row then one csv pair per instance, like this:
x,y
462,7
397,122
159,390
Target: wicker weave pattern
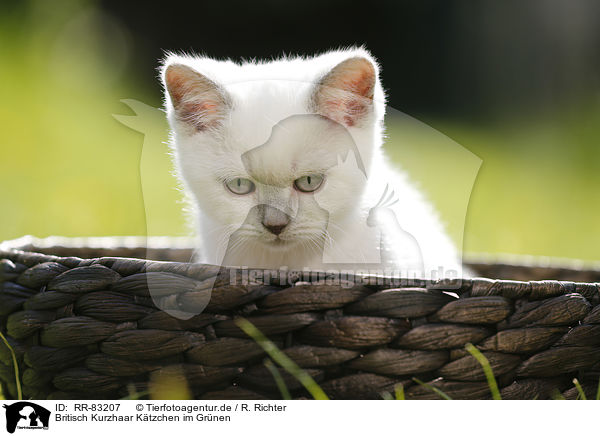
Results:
x,y
87,328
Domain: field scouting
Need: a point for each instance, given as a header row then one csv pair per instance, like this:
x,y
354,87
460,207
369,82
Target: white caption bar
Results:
x,y
296,417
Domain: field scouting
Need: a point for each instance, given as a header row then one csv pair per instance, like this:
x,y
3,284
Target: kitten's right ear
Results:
x,y
197,100
345,94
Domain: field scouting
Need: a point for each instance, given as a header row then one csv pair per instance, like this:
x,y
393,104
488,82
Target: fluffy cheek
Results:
x,y
338,196
195,162
311,217
214,201
341,193
226,208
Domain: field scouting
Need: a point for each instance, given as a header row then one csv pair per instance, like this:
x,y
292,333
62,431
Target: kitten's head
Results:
x,y
273,152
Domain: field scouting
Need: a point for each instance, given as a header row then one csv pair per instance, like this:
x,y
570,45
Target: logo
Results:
x,y
26,415
335,233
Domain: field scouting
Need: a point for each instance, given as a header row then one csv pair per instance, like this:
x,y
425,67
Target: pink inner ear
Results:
x,y
362,85
201,114
347,94
176,84
347,108
194,97
202,108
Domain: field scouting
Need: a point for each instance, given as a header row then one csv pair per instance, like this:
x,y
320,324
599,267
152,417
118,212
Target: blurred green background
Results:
x,y
525,101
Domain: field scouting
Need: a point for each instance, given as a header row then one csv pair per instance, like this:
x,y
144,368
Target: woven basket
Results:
x,y
86,328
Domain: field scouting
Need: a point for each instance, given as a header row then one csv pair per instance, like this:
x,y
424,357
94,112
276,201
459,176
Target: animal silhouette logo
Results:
x,y
434,159
407,250
26,415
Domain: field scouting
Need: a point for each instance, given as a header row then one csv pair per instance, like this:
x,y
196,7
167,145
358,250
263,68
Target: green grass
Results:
x,y
281,359
487,370
67,167
15,367
579,390
399,391
309,383
535,190
285,393
301,375
442,394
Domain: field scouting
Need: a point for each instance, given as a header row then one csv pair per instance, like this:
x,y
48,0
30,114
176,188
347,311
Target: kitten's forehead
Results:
x,y
259,105
298,145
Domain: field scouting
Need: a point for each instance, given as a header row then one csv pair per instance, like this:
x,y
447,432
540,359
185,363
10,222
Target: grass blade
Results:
x,y
133,394
281,359
598,391
386,396
579,389
15,365
556,395
433,388
487,370
285,394
399,391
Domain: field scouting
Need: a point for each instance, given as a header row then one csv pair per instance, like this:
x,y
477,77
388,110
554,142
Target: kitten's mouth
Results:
x,y
286,241
282,241
278,241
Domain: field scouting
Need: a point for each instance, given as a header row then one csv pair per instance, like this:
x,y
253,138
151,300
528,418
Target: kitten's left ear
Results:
x,y
198,101
345,94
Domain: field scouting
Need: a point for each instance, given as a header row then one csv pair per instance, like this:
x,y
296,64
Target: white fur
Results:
x,y
263,94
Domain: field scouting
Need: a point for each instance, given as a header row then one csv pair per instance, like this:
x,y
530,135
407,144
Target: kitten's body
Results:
x,y
223,115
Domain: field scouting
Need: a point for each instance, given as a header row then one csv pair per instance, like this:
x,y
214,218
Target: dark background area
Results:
x,y
452,59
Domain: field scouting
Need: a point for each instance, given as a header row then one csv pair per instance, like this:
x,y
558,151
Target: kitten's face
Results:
x,y
283,192
266,169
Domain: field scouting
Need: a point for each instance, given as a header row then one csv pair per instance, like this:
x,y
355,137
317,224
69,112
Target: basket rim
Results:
x,y
47,245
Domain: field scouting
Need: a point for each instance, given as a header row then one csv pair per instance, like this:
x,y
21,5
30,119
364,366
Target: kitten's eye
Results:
x,y
240,186
308,183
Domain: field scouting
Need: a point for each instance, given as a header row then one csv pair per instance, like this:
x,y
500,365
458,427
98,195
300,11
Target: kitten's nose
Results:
x,y
274,220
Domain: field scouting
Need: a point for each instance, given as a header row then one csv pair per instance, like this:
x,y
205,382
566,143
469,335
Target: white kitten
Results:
x,y
283,164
